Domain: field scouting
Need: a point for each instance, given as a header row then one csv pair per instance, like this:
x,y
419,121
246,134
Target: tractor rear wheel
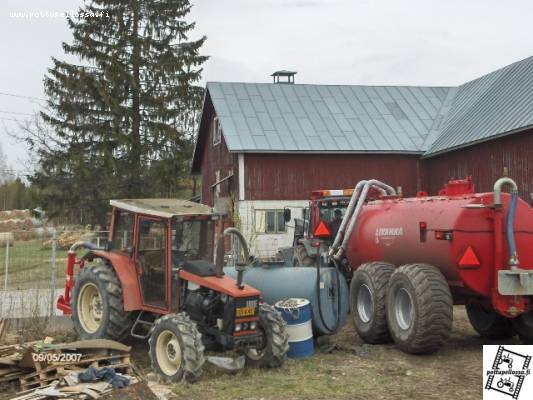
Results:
x,y
523,326
368,294
488,323
176,348
97,305
272,352
301,258
419,308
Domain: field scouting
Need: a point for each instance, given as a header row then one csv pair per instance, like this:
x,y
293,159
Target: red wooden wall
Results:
x,y
216,157
294,176
485,162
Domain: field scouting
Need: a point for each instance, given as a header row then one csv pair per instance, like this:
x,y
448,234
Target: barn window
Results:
x,y
217,131
269,221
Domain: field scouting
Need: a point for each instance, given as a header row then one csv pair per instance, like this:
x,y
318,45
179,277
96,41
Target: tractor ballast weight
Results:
x,y
156,280
455,245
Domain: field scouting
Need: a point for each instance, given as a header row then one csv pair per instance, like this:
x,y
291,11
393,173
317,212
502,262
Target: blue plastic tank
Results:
x,y
282,282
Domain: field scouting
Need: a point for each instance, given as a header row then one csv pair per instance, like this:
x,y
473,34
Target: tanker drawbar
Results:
x,y
414,258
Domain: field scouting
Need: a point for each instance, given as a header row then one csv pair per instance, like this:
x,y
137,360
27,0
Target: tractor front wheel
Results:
x,y
488,323
176,348
272,352
97,306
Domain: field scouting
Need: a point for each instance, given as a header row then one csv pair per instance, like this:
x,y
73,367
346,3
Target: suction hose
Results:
x,y
513,255
329,329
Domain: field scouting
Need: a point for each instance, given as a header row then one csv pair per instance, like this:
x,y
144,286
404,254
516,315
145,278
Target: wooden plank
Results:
x,y
92,344
135,391
8,361
3,328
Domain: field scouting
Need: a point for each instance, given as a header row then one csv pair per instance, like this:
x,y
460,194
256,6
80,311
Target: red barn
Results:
x,y
264,147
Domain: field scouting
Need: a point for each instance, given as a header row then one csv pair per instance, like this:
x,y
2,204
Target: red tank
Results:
x,y
459,232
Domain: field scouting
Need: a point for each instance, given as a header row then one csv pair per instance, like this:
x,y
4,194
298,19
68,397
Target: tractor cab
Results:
x,y
162,237
321,220
315,233
161,278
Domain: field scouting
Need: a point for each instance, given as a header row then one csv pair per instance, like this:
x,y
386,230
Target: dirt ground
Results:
x,y
382,372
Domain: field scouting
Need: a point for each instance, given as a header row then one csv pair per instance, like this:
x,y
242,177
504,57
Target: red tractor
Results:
x,y
156,280
314,233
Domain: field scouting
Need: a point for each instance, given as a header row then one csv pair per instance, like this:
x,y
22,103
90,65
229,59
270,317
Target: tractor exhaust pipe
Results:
x,y
239,266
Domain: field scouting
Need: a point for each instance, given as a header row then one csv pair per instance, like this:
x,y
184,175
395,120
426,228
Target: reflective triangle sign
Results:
x,y
322,230
469,258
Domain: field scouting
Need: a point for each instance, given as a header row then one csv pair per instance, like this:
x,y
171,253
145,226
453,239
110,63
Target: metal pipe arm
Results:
x,y
498,189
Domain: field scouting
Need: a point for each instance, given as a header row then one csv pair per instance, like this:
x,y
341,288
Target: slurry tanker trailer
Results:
x,y
414,258
409,260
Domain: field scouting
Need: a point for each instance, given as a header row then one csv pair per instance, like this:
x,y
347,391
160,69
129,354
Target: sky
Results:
x,y
367,42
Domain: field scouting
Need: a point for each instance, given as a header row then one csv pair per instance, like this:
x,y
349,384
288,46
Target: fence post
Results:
x,y
7,264
54,272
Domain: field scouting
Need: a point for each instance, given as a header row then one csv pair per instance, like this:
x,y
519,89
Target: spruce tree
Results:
x,y
123,116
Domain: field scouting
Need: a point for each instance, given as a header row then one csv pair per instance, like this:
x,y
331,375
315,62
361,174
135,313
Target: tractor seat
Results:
x,y
200,268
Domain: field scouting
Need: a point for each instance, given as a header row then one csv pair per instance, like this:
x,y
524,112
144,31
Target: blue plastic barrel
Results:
x,y
297,315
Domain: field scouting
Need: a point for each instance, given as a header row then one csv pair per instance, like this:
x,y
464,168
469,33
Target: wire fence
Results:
x,y
32,269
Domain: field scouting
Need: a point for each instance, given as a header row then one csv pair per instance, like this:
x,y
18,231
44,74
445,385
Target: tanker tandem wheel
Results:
x,y
419,308
368,291
523,326
488,323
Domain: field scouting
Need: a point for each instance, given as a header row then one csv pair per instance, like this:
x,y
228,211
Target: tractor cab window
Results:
x,y
123,232
192,240
332,213
151,257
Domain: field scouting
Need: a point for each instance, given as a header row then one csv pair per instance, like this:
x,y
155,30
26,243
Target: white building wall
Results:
x,y
264,245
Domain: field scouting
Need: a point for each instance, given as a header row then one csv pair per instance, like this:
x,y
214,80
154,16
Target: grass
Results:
x,y
30,265
454,372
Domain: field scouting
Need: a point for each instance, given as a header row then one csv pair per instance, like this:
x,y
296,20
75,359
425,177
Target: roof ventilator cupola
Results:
x,y
284,76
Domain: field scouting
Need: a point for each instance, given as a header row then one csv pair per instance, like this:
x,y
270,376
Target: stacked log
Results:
x,y
17,223
6,237
15,214
67,239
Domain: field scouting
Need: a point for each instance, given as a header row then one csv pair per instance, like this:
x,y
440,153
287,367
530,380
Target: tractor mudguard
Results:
x,y
127,274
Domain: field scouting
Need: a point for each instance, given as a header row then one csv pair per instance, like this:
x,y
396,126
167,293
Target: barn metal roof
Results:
x,y
264,117
495,104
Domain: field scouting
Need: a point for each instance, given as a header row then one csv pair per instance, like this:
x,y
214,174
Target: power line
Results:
x,y
10,119
15,113
21,97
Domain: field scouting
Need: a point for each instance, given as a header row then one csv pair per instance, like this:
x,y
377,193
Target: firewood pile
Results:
x,y
15,214
89,369
67,239
18,223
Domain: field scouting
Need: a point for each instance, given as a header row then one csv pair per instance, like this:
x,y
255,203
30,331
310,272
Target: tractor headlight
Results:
x,y
253,326
238,327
